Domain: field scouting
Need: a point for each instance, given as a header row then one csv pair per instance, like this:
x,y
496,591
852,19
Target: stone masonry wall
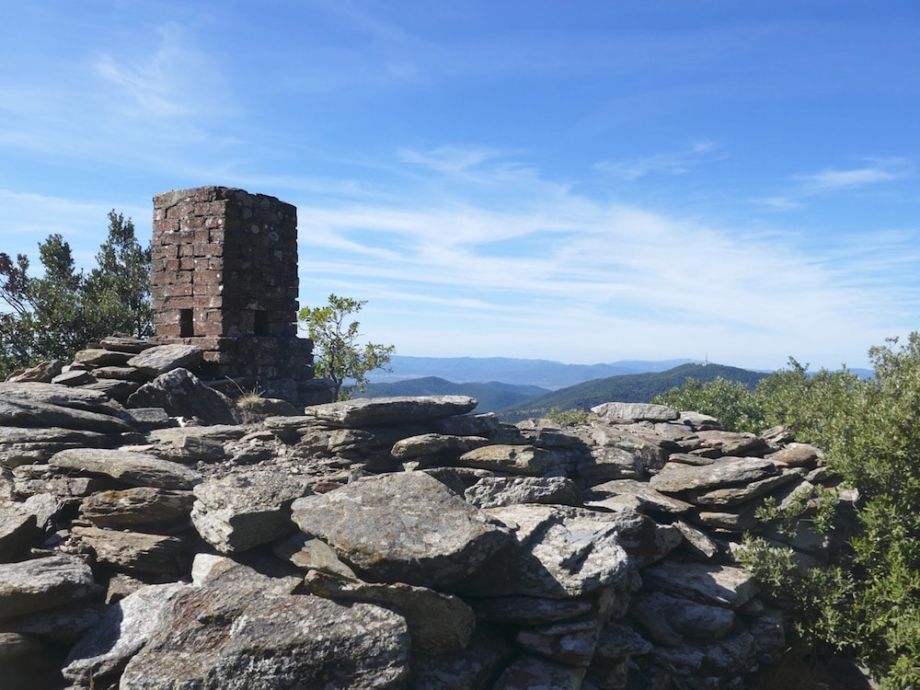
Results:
x,y
224,278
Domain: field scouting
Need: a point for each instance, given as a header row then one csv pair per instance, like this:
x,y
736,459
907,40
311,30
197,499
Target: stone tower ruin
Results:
x,y
224,278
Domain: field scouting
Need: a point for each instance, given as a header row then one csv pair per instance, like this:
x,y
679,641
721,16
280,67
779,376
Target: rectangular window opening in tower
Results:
x,y
186,323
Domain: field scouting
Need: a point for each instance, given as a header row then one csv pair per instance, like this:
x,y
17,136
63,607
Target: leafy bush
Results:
x,y
867,603
569,417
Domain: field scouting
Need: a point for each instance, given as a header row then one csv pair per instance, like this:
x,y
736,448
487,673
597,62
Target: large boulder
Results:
x,y
677,478
400,409
126,626
132,469
19,412
182,394
627,413
43,583
136,507
492,492
244,510
233,633
404,527
525,460
163,358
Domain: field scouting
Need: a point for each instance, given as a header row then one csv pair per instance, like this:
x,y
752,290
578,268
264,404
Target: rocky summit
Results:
x,y
154,536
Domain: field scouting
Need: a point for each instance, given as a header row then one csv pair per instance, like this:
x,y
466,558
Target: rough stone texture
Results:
x,y
18,528
647,498
493,492
528,610
312,554
512,459
531,672
438,623
123,630
158,360
136,552
670,620
717,584
64,624
43,583
394,410
135,507
625,413
797,455
679,478
235,637
245,510
224,278
43,372
97,357
404,527
570,642
182,394
133,469
434,445
735,495
469,669
23,413
558,553
74,378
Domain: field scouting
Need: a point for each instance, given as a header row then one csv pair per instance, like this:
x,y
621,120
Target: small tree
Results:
x,y
57,314
340,356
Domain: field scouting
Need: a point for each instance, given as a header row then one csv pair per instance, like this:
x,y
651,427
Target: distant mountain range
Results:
x,y
626,388
492,396
534,372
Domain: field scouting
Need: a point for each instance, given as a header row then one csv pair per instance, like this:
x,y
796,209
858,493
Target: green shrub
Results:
x,y
569,417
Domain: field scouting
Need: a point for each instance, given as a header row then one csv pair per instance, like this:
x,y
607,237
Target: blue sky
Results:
x,y
583,181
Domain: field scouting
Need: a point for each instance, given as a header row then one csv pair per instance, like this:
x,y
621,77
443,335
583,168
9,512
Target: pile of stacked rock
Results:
x,y
389,543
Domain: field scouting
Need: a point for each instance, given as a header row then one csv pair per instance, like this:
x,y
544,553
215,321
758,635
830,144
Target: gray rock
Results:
x,y
186,448
699,422
618,641
798,455
115,389
22,413
214,432
736,495
27,663
648,499
43,372
732,442
610,462
163,358
121,373
18,529
434,445
148,418
136,507
438,623
672,621
133,469
624,413
125,628
697,540
570,642
312,554
769,635
558,553
76,377
375,411
530,672
182,394
45,507
493,492
678,478
244,510
469,669
457,479
236,636
528,610
404,527
62,396
97,357
525,460
742,519
43,583
485,424
64,624
136,552
121,343
732,655
721,585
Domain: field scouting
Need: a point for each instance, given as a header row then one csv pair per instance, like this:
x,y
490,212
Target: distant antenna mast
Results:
x,y
706,359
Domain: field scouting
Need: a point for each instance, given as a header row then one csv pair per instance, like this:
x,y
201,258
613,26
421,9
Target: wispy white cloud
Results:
x,y
670,163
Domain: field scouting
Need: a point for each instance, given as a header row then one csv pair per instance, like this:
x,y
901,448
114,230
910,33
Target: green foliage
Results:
x,y
60,312
867,603
731,401
569,417
340,355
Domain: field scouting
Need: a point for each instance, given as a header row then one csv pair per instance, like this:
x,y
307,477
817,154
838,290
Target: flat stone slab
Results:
x,y
427,445
134,469
721,585
531,672
438,623
559,553
234,636
182,394
647,498
493,492
43,583
402,527
162,358
245,510
399,409
15,411
136,552
742,493
672,621
627,413
528,610
136,507
677,478
18,529
123,630
525,460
